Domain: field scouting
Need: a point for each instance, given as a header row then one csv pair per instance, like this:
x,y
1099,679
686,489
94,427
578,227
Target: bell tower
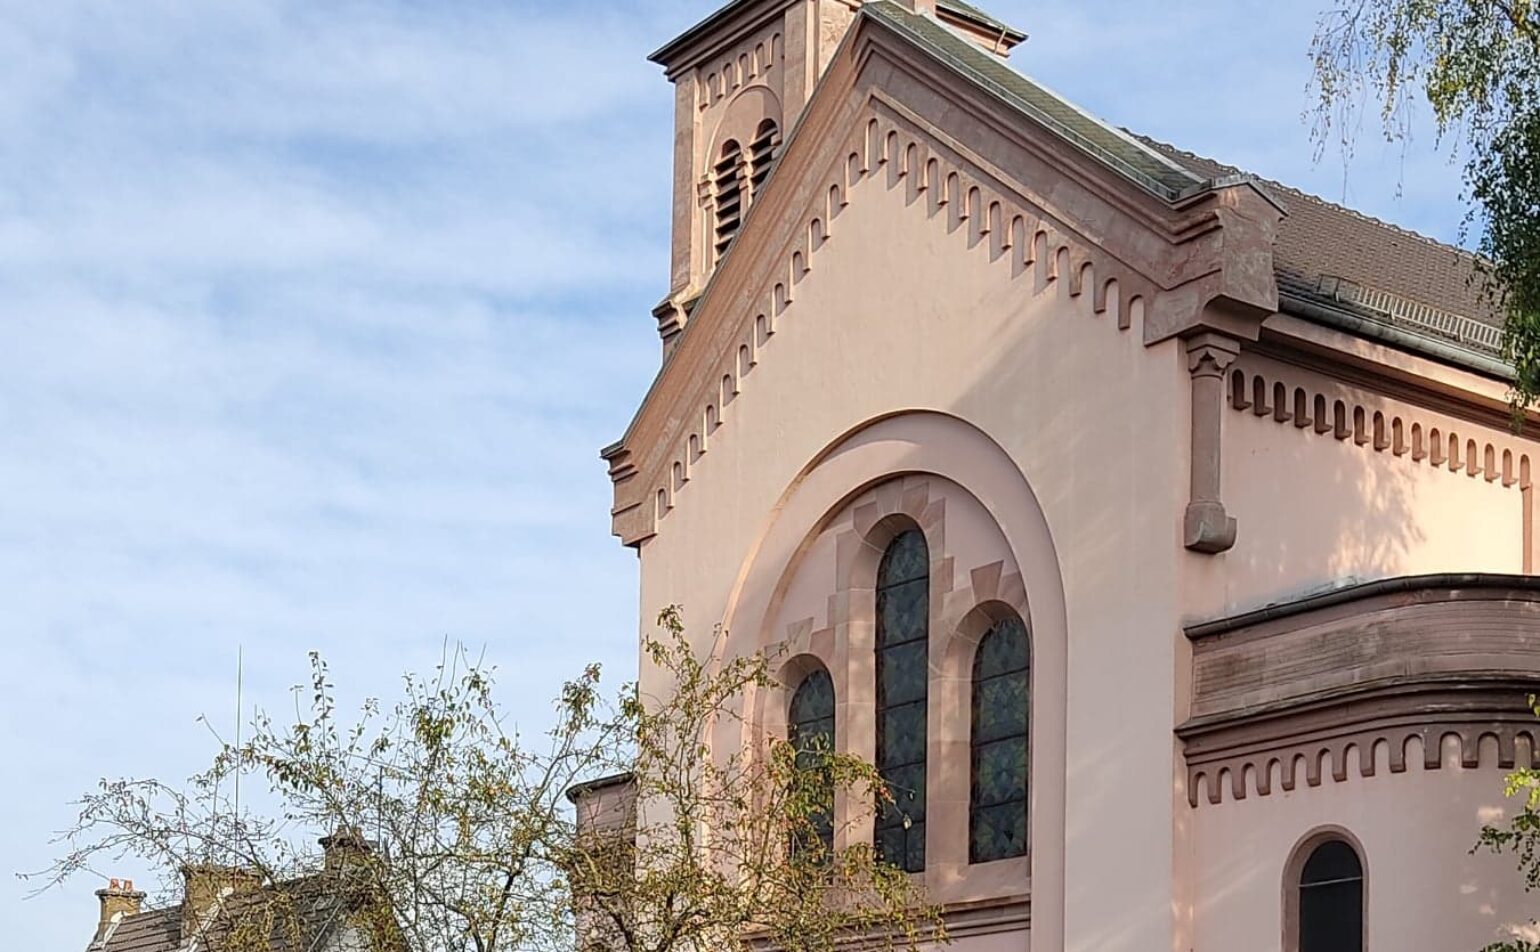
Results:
x,y
742,77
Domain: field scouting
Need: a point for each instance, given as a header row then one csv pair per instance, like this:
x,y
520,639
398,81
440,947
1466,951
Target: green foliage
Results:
x,y
1477,64
727,853
1519,836
1506,185
459,836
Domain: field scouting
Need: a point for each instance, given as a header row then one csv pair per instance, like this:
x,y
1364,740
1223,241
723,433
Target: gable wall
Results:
x,y
909,294
905,307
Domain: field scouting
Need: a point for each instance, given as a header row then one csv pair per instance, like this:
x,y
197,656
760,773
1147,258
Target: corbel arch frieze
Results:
x,y
1381,677
886,152
1396,432
1499,737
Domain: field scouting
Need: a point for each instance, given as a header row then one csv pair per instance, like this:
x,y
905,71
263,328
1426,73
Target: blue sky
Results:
x,y
313,318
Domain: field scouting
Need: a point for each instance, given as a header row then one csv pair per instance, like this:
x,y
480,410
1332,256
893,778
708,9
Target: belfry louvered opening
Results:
x,y
762,153
727,181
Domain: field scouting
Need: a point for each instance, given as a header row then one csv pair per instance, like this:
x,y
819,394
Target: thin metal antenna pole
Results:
x,y
240,672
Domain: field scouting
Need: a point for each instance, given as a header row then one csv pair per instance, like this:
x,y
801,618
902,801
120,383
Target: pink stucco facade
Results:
x,y
942,312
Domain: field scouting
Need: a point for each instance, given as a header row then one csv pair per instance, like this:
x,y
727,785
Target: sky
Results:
x,y
314,317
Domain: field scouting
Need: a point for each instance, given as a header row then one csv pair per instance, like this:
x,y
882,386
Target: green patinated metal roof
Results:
x,y
1111,146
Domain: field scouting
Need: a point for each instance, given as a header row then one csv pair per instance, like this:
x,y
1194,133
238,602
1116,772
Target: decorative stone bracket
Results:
x,y
1206,526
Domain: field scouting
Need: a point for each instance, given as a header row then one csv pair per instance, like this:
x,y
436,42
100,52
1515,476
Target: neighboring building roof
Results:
x,y
578,791
157,930
319,909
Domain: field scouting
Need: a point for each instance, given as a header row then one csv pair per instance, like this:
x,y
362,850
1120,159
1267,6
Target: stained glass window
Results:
x,y
811,731
997,799
903,670
1331,900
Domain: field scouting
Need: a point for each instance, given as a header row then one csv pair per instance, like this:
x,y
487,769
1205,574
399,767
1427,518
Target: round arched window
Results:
x,y
1330,906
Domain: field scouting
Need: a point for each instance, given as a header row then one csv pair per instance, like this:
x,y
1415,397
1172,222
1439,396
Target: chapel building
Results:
x,y
1159,531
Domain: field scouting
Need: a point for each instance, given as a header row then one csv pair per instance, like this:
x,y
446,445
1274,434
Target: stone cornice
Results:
x,y
1437,586
1169,269
1224,232
723,28
1352,416
1342,681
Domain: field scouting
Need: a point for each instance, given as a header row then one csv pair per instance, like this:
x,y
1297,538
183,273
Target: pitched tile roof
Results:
x,y
318,907
1325,254
1319,238
158,930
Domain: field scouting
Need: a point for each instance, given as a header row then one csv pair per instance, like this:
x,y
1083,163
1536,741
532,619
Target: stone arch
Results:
x,y
955,670
787,675
927,444
742,116
1295,865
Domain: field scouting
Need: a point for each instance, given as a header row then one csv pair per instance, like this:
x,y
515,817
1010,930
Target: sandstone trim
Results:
x,y
1379,676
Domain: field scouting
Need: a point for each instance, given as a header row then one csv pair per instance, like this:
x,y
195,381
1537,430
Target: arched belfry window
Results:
x,y
997,798
903,670
1330,899
810,728
762,152
727,187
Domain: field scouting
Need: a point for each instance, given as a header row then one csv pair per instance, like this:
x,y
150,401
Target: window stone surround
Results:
x,y
963,605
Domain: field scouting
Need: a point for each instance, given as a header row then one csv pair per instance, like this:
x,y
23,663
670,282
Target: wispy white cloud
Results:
x,y
1228,80
314,321
313,317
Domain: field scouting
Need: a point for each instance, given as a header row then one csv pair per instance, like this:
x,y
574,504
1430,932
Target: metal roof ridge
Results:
x,y
898,17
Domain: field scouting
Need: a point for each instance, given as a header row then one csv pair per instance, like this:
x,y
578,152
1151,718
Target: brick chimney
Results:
x,y
119,900
205,886
344,848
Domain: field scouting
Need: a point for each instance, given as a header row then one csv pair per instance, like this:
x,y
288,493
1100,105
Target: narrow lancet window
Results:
x,y
997,799
903,670
810,729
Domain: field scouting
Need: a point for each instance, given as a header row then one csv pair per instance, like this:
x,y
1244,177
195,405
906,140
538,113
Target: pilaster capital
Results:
x,y
1209,354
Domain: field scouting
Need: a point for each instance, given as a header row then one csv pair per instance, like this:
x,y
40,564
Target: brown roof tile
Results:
x,y
1319,238
1325,255
155,931
317,906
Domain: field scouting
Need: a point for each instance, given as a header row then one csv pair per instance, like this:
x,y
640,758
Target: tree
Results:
x,y
1477,64
1519,836
737,848
462,837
